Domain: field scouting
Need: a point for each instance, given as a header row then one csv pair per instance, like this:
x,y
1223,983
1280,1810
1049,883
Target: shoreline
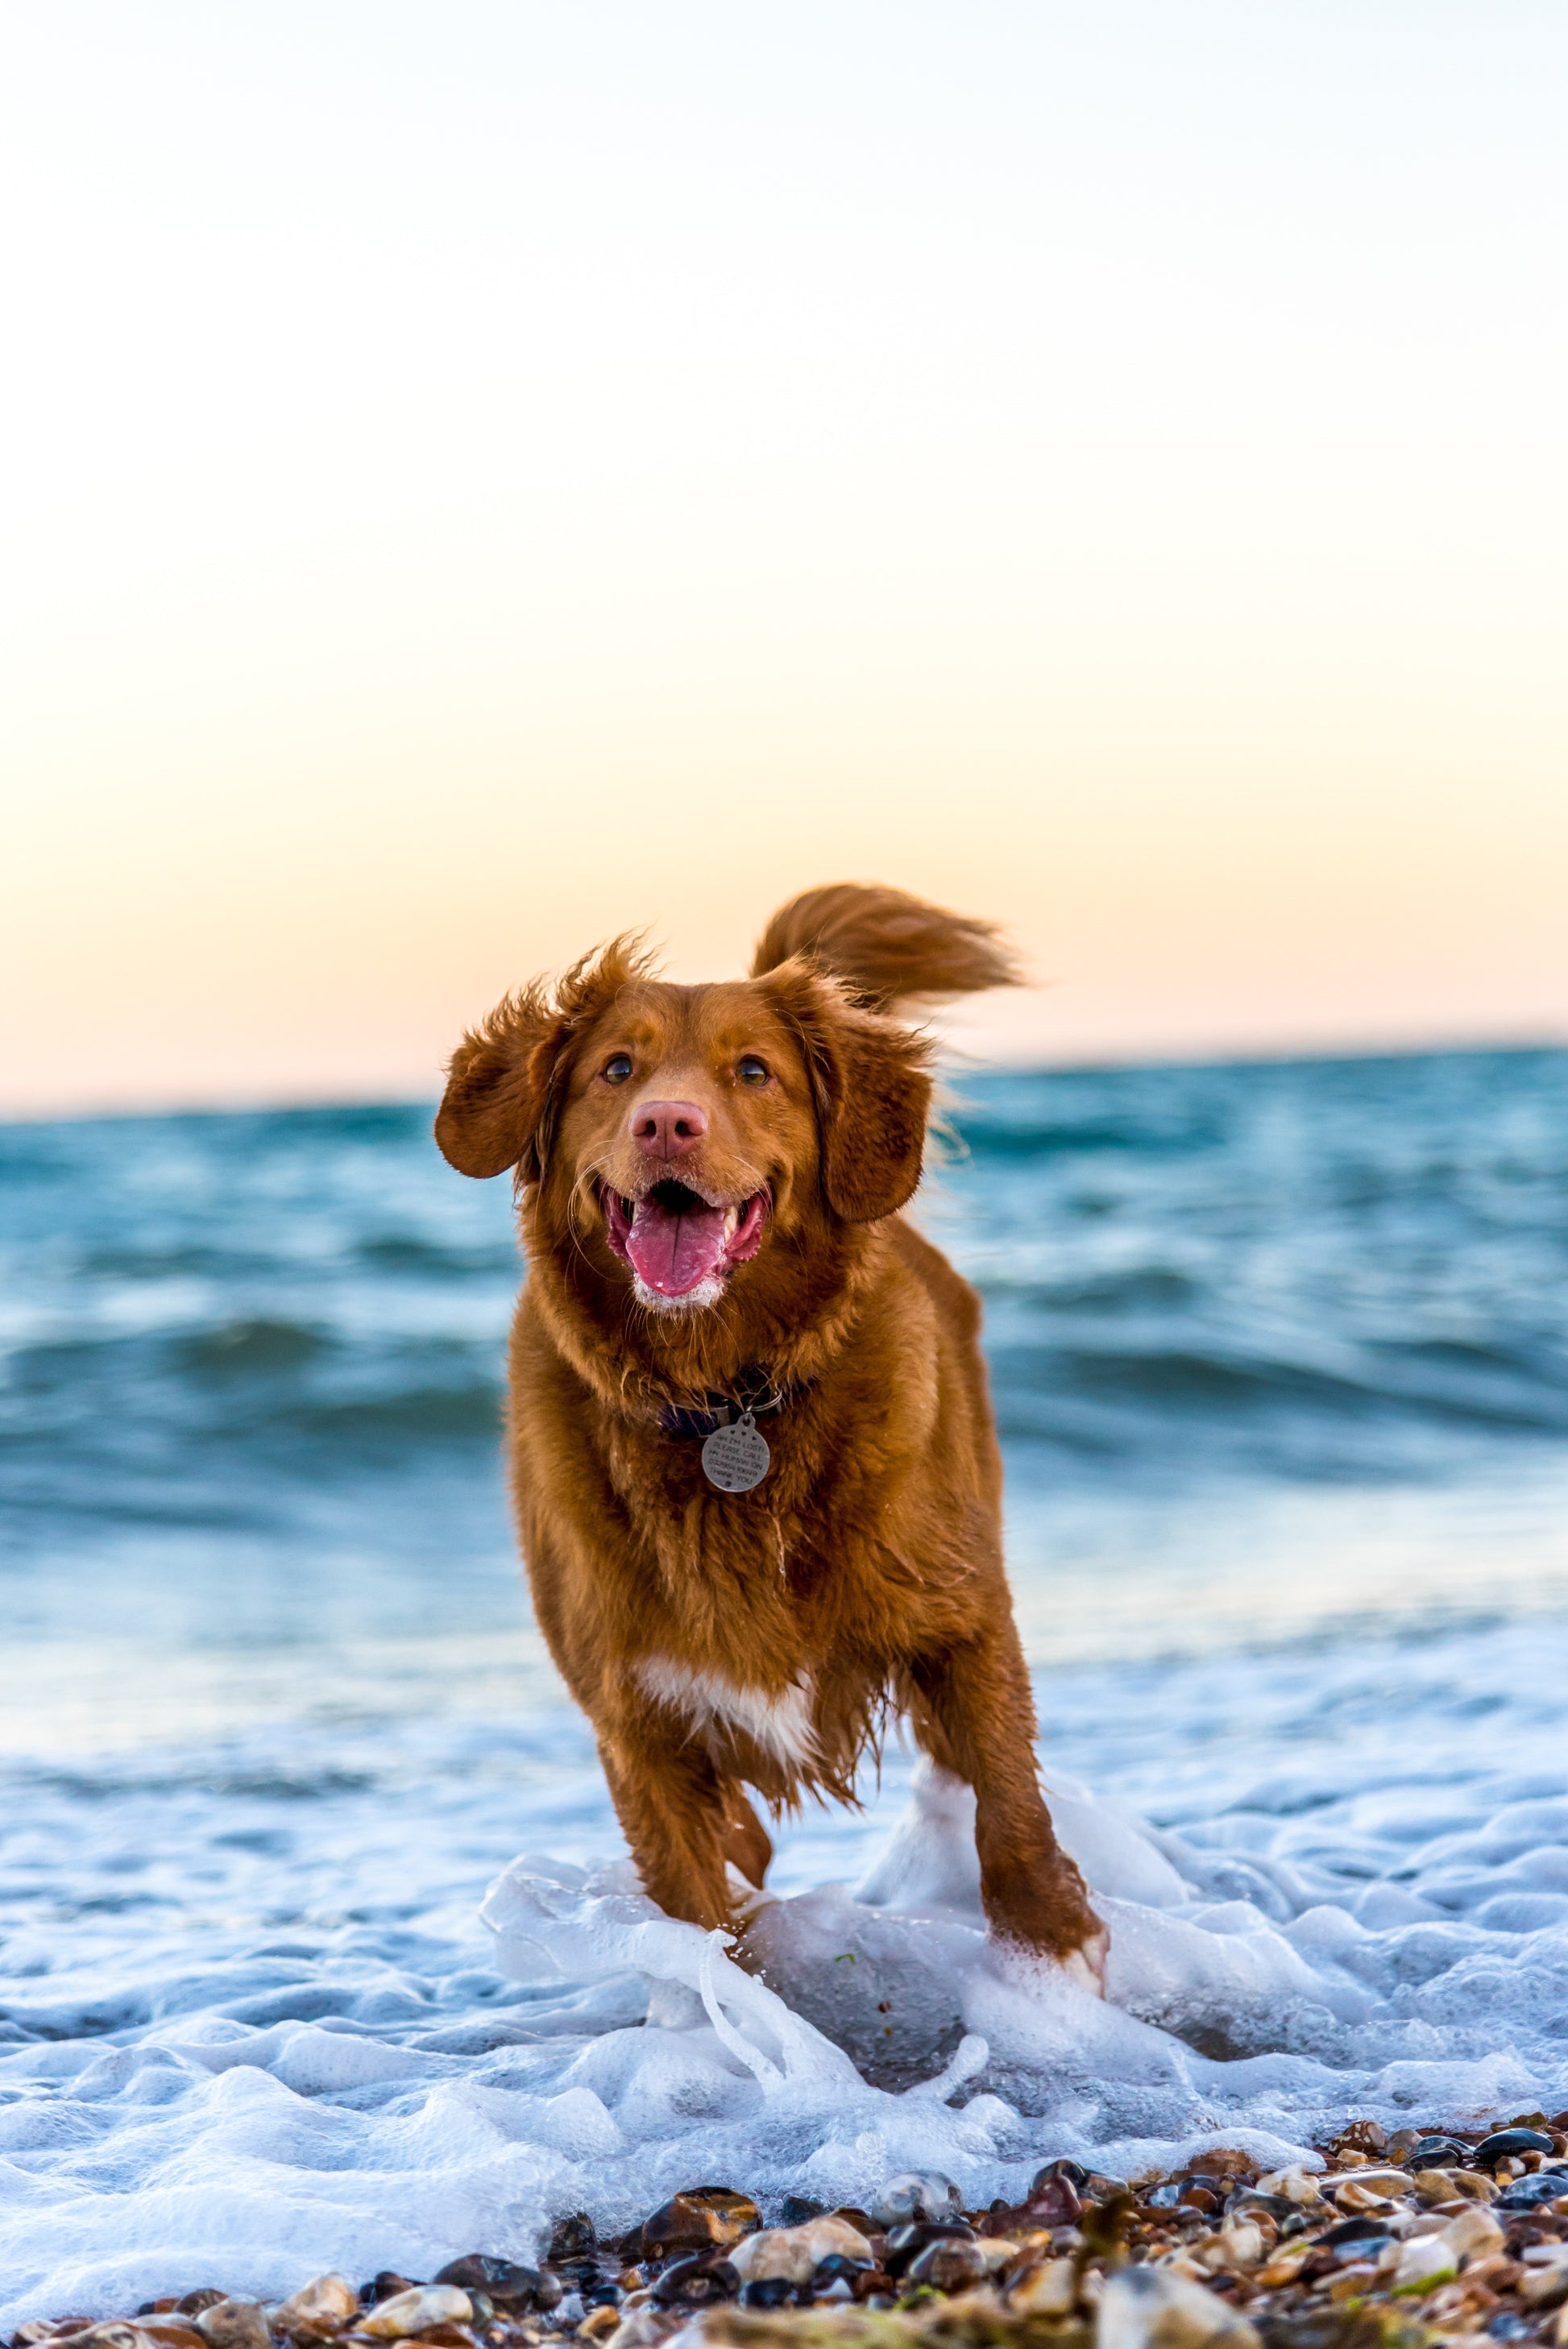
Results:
x,y
1400,2239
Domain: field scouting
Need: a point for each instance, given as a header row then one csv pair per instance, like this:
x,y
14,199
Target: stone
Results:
x,y
1474,2234
195,2301
234,2324
1222,2161
1296,2184
385,2285
319,2308
411,2312
836,2278
1437,2153
1454,2186
1528,2193
904,2244
697,2282
599,2324
1283,2265
916,2194
767,2291
834,2238
1368,2186
1505,2145
645,2327
1362,2136
793,2254
948,2265
1151,2308
1426,2262
707,2218
572,2239
1044,2290
115,2334
1544,2283
1323,2328
506,2281
775,2255
1052,2200
1242,2244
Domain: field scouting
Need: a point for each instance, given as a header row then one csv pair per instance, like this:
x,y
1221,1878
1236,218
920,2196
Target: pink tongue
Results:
x,y
673,1253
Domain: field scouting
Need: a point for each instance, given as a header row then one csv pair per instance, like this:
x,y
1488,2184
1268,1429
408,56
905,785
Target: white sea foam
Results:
x,y
257,2026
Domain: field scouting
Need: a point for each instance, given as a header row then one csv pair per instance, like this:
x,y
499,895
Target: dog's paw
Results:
x,y
1086,1964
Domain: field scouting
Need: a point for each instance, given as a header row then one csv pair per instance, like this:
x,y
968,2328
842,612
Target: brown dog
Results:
x,y
710,1180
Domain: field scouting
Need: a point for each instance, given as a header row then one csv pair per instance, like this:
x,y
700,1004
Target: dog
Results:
x,y
751,1448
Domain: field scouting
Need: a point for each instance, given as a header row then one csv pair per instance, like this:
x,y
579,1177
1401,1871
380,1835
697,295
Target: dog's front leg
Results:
x,y
975,1715
681,1819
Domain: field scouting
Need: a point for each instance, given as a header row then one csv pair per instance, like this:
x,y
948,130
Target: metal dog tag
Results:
x,y
736,1458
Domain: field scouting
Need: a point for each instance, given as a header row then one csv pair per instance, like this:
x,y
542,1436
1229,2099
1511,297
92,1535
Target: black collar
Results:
x,y
754,1391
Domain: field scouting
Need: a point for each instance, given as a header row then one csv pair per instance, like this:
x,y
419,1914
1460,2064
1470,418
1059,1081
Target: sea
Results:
x,y
319,1946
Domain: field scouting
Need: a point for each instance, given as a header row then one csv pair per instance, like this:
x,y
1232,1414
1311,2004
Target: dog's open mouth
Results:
x,y
675,1239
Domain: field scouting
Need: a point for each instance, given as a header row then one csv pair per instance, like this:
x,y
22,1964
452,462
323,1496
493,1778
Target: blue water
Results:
x,y
1280,1357
250,1365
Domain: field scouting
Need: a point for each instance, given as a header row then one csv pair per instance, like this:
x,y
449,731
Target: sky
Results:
x,y
484,476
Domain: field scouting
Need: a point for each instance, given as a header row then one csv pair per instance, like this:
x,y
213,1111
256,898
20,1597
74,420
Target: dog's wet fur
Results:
x,y
710,1182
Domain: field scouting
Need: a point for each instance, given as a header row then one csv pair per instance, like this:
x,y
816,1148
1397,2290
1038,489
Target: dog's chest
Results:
x,y
780,1724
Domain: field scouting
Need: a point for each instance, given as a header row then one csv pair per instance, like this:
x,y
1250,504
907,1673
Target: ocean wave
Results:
x,y
1292,1268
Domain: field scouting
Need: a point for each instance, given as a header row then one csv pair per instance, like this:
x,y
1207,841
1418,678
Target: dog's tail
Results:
x,y
887,948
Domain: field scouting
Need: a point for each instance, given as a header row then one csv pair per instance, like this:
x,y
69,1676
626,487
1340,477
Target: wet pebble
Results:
x,y
233,2324
949,2265
1529,2192
697,2282
906,2244
916,2194
705,2216
1153,2308
793,2254
572,2239
415,2310
505,2282
1507,2145
1434,2153
318,2309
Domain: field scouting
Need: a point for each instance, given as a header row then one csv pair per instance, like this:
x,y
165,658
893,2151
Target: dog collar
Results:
x,y
754,1391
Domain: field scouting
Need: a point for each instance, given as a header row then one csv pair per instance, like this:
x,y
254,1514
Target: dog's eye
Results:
x,y
617,1069
751,1071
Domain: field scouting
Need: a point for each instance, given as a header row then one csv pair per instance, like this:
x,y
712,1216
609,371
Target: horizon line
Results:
x,y
953,1064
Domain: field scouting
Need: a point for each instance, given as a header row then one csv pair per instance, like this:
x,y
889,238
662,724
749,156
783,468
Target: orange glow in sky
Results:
x,y
492,475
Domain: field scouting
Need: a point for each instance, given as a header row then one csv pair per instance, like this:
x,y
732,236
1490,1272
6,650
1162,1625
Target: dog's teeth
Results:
x,y
731,1218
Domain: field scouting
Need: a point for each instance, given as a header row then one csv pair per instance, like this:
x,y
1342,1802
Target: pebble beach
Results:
x,y
1409,2238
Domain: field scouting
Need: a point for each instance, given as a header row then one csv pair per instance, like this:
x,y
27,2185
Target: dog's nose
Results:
x,y
669,1129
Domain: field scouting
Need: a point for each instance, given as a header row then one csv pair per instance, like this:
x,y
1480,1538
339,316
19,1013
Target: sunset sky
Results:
x,y
488,474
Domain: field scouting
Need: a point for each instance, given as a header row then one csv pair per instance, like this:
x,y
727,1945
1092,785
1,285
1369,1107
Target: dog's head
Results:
x,y
688,1139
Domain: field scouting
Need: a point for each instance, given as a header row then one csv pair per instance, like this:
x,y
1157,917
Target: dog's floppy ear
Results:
x,y
498,1083
873,1084
504,1080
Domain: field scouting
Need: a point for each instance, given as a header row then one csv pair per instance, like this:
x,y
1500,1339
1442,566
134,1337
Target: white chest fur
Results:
x,y
780,1725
